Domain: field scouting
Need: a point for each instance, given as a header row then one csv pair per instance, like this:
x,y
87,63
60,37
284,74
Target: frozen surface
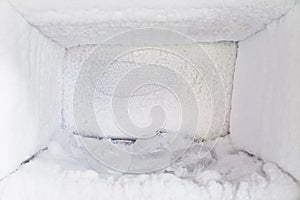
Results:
x,y
223,55
75,22
30,89
65,171
266,100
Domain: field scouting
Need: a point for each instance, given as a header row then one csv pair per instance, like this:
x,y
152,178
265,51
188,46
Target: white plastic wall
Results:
x,y
265,116
30,89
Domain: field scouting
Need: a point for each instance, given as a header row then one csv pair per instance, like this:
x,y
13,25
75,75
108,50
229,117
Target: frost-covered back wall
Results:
x,y
223,54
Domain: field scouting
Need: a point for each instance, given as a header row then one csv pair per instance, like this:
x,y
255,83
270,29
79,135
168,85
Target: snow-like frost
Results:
x,y
66,171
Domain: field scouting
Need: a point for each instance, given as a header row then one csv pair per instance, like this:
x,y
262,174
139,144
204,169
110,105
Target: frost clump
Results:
x,y
193,160
167,152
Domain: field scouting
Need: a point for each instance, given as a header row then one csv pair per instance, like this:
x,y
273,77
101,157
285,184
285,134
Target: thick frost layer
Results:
x,y
223,54
72,23
65,171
